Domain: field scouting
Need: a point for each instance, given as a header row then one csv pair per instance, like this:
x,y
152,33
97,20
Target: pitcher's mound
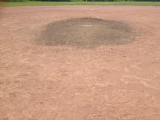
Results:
x,y
86,32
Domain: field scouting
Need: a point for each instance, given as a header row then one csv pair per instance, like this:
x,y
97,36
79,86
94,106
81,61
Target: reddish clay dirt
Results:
x,y
115,82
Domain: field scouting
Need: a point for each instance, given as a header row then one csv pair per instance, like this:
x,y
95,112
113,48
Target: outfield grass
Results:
x,y
39,3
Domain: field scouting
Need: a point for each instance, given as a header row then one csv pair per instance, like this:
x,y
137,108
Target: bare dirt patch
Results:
x,y
60,82
86,33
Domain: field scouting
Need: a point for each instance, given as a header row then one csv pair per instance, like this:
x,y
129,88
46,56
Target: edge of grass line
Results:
x,y
44,3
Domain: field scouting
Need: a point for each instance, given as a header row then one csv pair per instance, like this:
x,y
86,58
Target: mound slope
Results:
x,y
86,32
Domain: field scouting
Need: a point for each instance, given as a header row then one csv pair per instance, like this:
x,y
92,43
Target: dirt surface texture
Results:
x,y
60,81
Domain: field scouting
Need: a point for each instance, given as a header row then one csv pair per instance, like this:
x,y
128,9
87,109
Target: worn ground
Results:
x,y
115,82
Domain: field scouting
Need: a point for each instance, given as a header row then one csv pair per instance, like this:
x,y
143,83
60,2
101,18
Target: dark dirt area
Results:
x,y
86,33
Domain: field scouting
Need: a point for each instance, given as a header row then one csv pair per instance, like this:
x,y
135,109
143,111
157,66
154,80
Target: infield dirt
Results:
x,y
114,82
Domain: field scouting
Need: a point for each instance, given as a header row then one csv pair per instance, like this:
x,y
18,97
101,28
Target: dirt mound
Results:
x,y
86,32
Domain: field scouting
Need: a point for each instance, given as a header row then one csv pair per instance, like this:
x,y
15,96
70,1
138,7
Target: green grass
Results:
x,y
39,3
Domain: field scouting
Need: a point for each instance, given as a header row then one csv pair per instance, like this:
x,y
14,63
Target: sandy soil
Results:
x,y
119,82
